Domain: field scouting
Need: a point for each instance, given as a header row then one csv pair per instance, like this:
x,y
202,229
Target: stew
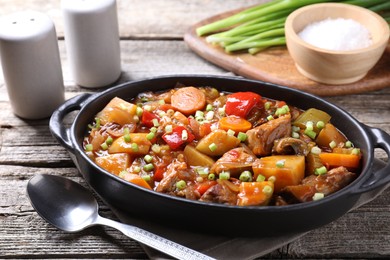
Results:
x,y
231,148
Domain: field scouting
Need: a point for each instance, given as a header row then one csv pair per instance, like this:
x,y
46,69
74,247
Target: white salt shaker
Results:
x,y
31,64
92,41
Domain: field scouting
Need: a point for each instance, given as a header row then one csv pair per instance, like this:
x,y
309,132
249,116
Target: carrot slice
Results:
x,y
235,123
338,159
136,179
188,100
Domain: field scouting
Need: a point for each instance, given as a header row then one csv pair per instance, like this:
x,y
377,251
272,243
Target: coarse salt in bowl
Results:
x,y
335,43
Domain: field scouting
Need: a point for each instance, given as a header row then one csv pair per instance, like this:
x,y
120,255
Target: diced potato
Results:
x,y
217,143
196,158
328,134
121,146
114,163
255,193
287,169
118,111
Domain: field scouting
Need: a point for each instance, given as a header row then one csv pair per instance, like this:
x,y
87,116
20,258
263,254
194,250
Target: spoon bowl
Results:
x,y
70,207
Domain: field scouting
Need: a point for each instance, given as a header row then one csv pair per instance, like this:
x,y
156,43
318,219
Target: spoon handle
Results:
x,y
155,241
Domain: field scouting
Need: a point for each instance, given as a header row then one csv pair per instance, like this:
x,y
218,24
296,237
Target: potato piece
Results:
x,y
217,143
121,146
114,163
255,193
118,111
328,134
291,173
196,158
136,179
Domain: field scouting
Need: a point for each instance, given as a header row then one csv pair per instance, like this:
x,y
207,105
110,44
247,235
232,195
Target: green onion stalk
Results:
x,y
262,26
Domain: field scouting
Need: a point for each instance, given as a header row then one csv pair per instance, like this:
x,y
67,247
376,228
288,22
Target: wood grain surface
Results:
x,y
152,45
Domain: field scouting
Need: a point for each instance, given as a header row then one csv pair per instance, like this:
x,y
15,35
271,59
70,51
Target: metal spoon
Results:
x,y
70,207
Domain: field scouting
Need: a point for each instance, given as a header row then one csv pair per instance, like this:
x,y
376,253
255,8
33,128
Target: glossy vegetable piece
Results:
x,y
313,162
148,117
330,134
235,123
188,100
255,193
350,161
204,186
179,135
121,146
196,158
114,163
136,179
241,103
312,115
217,143
118,111
287,169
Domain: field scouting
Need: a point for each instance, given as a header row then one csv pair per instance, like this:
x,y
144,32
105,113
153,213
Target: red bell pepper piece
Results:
x,y
241,103
147,118
175,139
204,186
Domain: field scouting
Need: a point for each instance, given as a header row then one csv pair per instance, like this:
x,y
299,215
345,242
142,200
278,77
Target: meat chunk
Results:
x,y
176,171
221,193
235,161
328,183
290,145
261,138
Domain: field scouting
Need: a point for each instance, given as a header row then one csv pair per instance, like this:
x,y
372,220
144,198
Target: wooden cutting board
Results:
x,y
276,66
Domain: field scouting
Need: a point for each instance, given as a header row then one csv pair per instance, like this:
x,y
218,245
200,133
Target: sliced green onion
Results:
x,y
210,115
310,133
134,147
281,111
104,146
355,151
320,124
168,129
213,147
122,174
280,163
127,138
348,144
203,172
139,111
321,171
136,169
332,144
147,108
315,150
184,135
242,136
309,126
295,135
272,179
221,111
318,196
156,148
150,136
267,190
148,167
245,176
88,147
209,107
230,132
155,122
180,185
270,117
148,158
295,128
109,140
211,176
146,177
224,175
161,102
126,130
260,178
267,105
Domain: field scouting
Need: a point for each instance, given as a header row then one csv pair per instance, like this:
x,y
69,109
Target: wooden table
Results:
x,y
152,45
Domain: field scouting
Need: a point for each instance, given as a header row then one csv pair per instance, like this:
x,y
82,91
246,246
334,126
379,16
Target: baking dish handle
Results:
x,y
381,177
58,129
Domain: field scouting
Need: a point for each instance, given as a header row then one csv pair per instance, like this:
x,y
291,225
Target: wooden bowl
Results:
x,y
335,67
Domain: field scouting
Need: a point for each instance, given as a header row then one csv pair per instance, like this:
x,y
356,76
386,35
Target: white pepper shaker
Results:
x,y
92,41
31,64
